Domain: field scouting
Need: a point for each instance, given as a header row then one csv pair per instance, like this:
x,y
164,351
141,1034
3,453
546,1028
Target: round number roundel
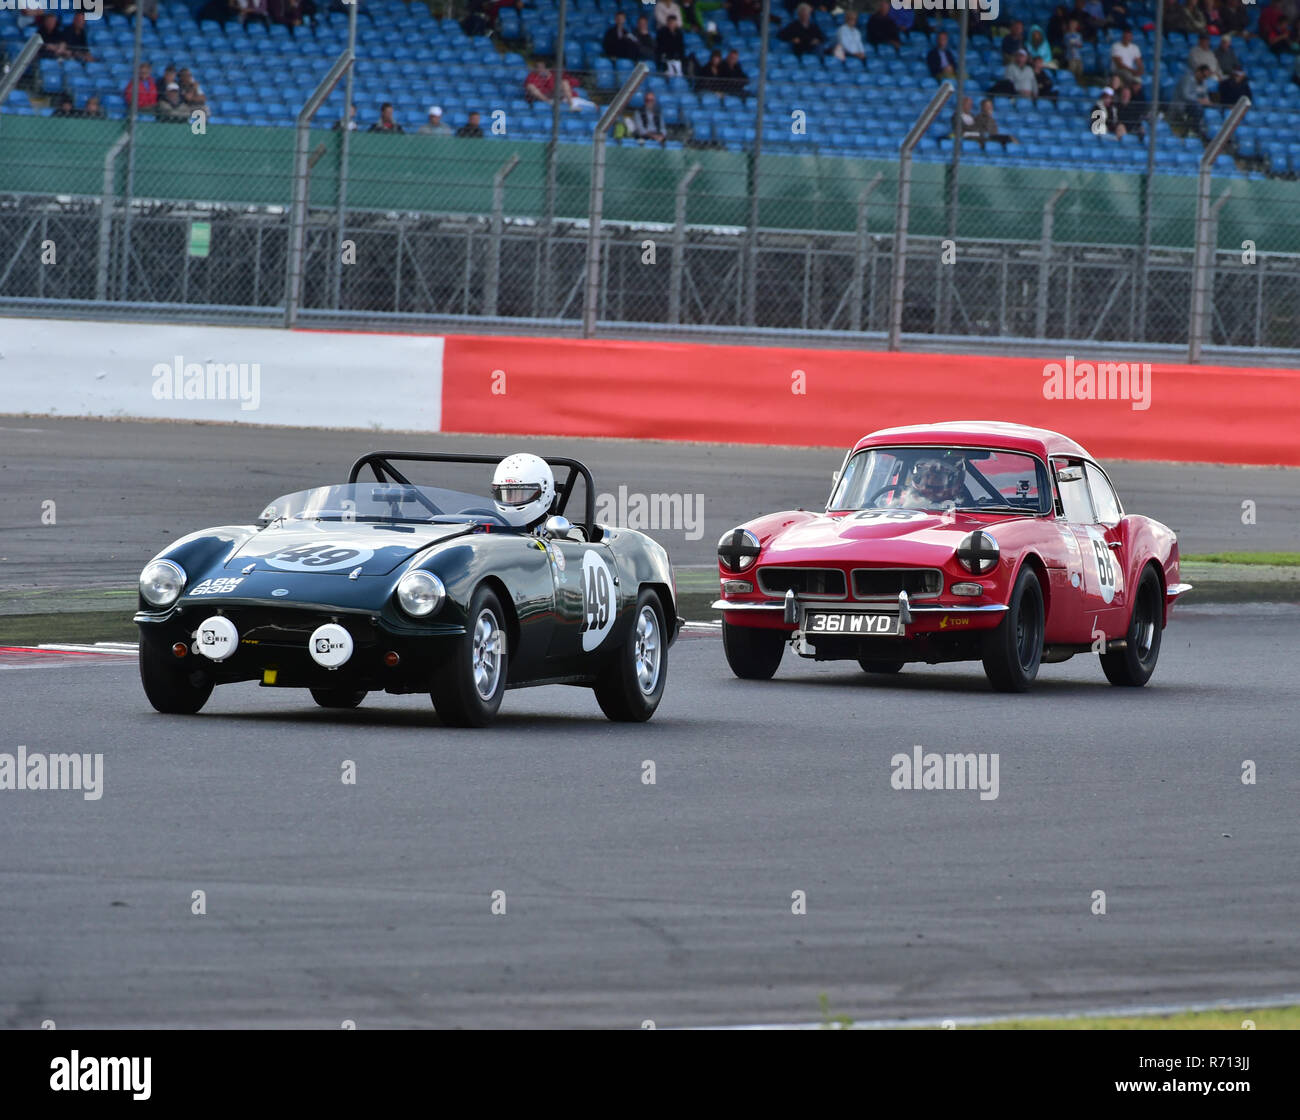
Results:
x,y
327,556
597,600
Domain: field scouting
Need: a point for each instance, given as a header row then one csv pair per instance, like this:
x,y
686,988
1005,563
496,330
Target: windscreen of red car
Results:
x,y
942,478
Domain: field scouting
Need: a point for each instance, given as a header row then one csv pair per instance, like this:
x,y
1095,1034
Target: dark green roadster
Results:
x,y
385,585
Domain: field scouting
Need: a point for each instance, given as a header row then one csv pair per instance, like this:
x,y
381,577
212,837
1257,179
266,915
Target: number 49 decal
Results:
x,y
597,600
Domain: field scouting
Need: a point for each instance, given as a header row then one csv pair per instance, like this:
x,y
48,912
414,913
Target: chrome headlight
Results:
x,y
978,552
420,593
738,549
161,583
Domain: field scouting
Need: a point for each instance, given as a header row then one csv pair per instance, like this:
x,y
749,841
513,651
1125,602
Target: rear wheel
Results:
x,y
1133,665
469,682
880,666
173,684
1013,652
631,687
337,697
753,654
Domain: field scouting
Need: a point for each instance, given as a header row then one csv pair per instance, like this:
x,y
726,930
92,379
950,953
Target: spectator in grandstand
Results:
x,y
1017,78
471,129
1126,65
218,10
670,47
648,121
147,95
1202,55
908,19
254,11
291,13
620,40
1087,26
963,120
1056,28
986,126
1226,56
170,108
93,110
1013,41
1234,87
740,10
708,77
351,123
29,14
646,44
191,92
1097,13
52,44
386,121
1103,117
435,125
75,39
664,9
691,14
1191,96
848,39
1044,86
168,76
1273,28
1213,16
801,33
733,75
942,59
1040,48
1183,15
1130,114
539,85
1234,19
882,28
477,21
65,107
1073,49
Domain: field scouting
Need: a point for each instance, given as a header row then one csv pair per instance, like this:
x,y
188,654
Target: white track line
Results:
x,y
984,1020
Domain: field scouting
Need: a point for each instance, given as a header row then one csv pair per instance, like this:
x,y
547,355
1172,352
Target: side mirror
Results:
x,y
1070,474
557,526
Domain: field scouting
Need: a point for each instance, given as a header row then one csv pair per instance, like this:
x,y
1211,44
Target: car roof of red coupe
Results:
x,y
978,433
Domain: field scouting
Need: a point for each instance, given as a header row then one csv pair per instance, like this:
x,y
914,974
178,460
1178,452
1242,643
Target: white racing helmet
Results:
x,y
523,488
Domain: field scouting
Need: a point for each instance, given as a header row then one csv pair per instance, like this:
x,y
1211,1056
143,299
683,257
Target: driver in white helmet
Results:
x,y
935,481
523,488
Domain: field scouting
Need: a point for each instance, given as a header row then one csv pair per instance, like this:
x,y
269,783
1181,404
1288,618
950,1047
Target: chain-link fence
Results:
x,y
728,203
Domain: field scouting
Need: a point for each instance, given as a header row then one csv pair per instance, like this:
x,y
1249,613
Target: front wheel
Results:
x,y
1013,652
172,684
753,654
469,682
337,697
1133,665
630,689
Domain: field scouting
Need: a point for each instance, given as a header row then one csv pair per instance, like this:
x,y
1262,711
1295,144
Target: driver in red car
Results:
x,y
934,482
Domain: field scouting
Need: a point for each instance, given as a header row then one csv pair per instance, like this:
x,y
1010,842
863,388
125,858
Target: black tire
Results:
x,y
630,689
1132,666
880,666
1013,652
469,682
753,654
338,697
174,685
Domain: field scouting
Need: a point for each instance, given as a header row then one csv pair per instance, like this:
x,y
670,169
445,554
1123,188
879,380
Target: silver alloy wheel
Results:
x,y
487,654
647,652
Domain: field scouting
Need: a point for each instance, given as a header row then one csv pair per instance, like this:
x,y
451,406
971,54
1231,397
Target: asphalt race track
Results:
x,y
672,902
628,902
125,490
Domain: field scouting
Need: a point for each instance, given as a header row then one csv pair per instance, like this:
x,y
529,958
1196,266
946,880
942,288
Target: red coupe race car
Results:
x,y
954,541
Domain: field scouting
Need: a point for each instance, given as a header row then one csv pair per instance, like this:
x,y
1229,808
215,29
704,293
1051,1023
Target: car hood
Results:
x,y
338,548
889,536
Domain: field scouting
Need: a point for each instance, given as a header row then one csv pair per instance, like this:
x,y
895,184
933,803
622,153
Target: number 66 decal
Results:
x,y
597,600
1105,570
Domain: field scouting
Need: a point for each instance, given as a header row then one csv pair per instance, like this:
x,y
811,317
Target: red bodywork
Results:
x,y
1085,568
